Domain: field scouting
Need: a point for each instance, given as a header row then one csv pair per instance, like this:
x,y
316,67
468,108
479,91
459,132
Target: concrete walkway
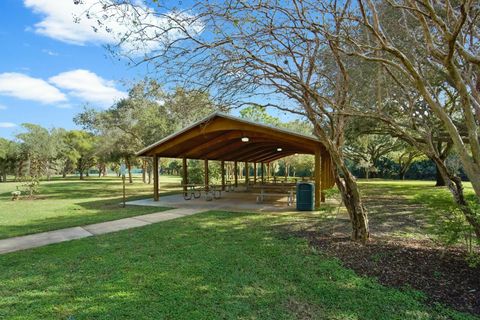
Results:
x,y
61,235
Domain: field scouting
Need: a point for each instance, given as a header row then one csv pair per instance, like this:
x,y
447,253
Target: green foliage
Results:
x,y
147,115
39,149
30,186
80,149
366,150
451,228
196,172
260,115
8,157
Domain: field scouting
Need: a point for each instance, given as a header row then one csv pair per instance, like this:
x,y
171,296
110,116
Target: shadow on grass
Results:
x,y
211,265
406,208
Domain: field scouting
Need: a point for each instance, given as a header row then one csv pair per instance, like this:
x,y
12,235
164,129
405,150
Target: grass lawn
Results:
x,y
418,191
404,208
214,265
70,202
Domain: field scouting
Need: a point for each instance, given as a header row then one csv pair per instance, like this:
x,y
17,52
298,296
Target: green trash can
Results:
x,y
305,196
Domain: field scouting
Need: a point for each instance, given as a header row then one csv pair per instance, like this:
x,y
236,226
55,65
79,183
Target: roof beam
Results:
x,y
211,143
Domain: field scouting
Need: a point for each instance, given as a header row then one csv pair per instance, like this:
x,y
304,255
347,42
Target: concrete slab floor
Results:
x,y
231,201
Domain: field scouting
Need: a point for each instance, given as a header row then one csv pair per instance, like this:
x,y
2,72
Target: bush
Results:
x,y
451,228
30,186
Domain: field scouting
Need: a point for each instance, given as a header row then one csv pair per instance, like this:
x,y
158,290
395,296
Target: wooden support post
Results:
x,y
155,179
246,173
235,171
318,177
185,174
223,175
254,173
268,171
263,169
206,174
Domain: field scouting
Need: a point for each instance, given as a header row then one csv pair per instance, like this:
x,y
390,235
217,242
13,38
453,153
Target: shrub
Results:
x,y
30,186
451,228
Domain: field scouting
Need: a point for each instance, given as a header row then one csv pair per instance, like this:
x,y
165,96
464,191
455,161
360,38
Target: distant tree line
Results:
x,y
109,137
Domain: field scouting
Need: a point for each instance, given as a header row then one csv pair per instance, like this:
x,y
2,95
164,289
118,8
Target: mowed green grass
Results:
x,y
71,202
419,191
407,208
214,265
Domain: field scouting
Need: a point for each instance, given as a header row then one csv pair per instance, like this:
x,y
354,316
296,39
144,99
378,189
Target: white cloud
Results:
x,y
67,22
7,125
88,86
24,87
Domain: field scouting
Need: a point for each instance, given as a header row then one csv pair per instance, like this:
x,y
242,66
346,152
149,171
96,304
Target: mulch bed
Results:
x,y
443,275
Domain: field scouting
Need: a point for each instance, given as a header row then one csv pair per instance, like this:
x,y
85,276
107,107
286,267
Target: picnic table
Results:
x,y
229,187
191,191
211,191
284,191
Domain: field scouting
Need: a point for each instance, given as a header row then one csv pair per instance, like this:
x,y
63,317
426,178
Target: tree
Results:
x,y
447,37
8,158
248,52
312,59
405,158
367,149
444,148
81,150
40,149
258,114
435,63
147,115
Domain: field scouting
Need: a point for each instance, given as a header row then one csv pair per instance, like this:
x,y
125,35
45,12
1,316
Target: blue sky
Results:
x,y
51,67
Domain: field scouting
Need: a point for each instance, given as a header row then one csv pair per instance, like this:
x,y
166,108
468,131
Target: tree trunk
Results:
x,y
144,167
19,170
454,184
129,167
440,181
80,168
353,202
351,198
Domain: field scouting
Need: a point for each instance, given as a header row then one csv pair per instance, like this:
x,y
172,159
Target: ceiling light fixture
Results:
x,y
245,139
279,149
